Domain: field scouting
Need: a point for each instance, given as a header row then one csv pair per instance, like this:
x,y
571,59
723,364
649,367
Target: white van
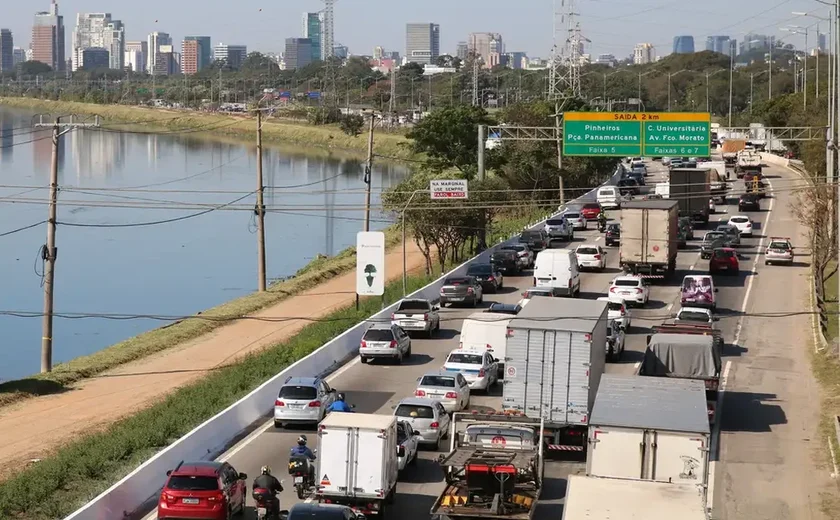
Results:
x,y
607,197
486,331
663,189
558,269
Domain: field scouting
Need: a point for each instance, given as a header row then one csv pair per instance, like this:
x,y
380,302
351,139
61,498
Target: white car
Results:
x,y
591,256
558,228
778,251
617,311
450,389
576,219
479,368
539,292
695,315
712,208
408,444
630,289
666,161
743,223
615,341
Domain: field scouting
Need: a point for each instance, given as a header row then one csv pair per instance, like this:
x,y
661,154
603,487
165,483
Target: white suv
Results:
x,y
558,228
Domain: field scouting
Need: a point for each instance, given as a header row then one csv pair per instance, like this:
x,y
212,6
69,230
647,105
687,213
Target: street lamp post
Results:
x,y
731,71
752,76
405,266
709,75
640,86
804,32
671,75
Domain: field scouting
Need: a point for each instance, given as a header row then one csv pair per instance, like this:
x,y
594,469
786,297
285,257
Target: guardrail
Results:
x,y
137,490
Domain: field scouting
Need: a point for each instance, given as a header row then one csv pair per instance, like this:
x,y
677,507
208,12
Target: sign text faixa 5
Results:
x,y
370,263
442,189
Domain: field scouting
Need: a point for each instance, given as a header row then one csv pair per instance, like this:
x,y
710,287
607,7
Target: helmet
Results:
x,y
340,396
265,470
302,440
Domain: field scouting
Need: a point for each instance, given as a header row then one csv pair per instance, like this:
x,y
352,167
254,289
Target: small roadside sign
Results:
x,y
448,189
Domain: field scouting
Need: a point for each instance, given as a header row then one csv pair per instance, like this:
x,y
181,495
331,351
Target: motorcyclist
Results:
x,y
302,450
339,405
269,482
602,220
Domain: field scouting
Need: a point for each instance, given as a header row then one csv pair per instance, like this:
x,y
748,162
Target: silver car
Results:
x,y
302,400
558,228
451,390
385,340
428,418
576,219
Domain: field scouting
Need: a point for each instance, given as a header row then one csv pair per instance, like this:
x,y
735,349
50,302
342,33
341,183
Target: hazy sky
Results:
x,y
613,26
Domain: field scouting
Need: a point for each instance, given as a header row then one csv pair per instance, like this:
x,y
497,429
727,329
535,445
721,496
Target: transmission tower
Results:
x,y
328,30
564,74
476,70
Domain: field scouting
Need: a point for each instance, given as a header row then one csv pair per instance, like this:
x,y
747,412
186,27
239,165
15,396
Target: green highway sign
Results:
x,y
651,134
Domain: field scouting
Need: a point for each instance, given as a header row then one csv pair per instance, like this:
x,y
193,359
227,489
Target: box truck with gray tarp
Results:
x,y
555,356
691,187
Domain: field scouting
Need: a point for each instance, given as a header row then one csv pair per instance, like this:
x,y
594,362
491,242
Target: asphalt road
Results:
x,y
376,388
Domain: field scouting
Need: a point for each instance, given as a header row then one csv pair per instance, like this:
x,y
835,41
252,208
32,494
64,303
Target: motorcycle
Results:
x,y
602,226
300,472
265,505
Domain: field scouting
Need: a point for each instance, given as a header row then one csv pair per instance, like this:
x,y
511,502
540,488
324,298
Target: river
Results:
x,y
115,178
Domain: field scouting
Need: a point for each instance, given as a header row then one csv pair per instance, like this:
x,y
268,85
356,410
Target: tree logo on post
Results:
x,y
370,270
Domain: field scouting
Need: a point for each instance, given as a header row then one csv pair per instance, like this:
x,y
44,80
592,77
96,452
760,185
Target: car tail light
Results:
x,y
279,403
435,425
425,316
612,289
364,344
491,279
218,497
393,344
481,373
168,498
419,393
638,291
393,315
489,346
470,290
597,257
623,312
451,395
315,404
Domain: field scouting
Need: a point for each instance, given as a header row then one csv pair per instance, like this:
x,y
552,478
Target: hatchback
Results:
x,y
612,236
205,490
724,259
732,232
617,311
576,219
591,210
480,369
749,202
427,416
591,256
630,289
742,223
523,253
451,390
487,275
385,340
506,261
559,228
694,316
778,251
711,241
302,400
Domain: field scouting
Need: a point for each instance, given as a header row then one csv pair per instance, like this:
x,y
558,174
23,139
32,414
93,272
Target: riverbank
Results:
x,y
391,145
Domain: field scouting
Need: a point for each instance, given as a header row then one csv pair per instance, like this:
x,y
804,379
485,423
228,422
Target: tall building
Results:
x,y
232,55
166,61
821,42
92,58
18,55
89,32
7,55
115,44
298,53
155,40
720,44
644,53
754,41
190,56
48,38
487,46
683,44
205,56
135,55
461,50
341,51
312,25
422,43
516,60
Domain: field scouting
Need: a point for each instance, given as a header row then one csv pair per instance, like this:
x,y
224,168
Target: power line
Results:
x,y
24,228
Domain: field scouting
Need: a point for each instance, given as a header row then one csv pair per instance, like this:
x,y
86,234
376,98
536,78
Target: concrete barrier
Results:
x,y
140,487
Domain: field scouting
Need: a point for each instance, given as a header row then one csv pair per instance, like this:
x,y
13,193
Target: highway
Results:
x,y
376,388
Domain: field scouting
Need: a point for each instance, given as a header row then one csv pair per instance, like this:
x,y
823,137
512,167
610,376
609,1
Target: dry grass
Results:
x,y
299,133
316,272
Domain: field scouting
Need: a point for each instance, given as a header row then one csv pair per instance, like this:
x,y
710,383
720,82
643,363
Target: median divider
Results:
x,y
138,490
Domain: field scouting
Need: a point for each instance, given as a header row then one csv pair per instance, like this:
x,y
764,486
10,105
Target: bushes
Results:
x,y
58,485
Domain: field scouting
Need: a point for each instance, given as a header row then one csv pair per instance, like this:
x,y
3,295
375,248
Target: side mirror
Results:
x,y
168,472
401,451
243,476
354,406
415,432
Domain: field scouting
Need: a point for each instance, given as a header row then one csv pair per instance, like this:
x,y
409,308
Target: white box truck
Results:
x,y
649,428
357,461
556,350
486,330
649,237
591,498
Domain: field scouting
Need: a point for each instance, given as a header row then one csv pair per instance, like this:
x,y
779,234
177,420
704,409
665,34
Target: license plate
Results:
x,y
298,480
456,299
295,406
261,511
723,268
408,323
190,500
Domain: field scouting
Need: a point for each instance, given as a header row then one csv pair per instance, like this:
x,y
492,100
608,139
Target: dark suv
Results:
x,y
207,490
505,261
490,279
749,202
612,236
535,240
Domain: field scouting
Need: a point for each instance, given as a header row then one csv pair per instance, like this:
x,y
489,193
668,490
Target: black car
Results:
x,y
535,240
749,202
639,177
316,511
505,261
612,235
486,274
505,308
628,186
713,240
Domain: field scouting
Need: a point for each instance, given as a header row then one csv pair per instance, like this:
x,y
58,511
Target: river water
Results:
x,y
112,179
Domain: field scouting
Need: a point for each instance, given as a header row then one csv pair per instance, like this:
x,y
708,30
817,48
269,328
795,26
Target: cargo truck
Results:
x,y
748,162
691,187
595,498
730,149
357,462
556,350
649,231
494,468
649,428
686,352
717,181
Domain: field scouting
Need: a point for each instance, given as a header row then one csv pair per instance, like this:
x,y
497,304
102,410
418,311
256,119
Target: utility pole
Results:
x,y
260,209
368,169
49,252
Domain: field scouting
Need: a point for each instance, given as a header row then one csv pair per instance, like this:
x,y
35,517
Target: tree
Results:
x,y
33,68
258,63
412,70
352,124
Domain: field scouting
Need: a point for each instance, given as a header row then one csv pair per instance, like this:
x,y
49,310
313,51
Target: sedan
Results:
x,y
591,256
408,444
749,202
461,289
742,223
617,311
428,418
576,219
450,389
732,232
488,276
479,368
630,289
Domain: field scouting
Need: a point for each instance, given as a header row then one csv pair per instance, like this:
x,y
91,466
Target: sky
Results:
x,y
612,26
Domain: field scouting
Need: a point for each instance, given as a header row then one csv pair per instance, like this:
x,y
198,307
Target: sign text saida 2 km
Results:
x,y
632,134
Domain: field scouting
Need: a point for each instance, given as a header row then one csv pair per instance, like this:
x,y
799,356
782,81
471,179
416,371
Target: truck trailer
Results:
x,y
649,239
556,350
649,428
357,462
730,149
691,187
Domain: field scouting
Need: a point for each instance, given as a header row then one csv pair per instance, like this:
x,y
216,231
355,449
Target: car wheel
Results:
x,y
278,425
437,443
363,359
408,352
766,262
467,404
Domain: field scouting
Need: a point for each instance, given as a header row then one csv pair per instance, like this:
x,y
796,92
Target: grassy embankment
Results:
x,y
77,472
240,126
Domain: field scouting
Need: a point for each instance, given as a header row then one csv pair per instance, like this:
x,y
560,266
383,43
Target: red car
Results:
x,y
591,210
724,259
203,490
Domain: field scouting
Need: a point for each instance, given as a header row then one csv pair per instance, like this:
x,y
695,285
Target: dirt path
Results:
x,y
35,427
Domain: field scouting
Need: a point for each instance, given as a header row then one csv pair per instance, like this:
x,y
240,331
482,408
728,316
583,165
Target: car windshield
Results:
x,y
554,222
779,245
693,316
189,483
513,248
448,382
530,235
591,206
739,220
587,251
626,282
692,283
503,255
615,306
613,228
415,411
456,281
414,305
712,236
724,229
723,253
378,335
573,215
469,359
298,392
607,192
479,269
